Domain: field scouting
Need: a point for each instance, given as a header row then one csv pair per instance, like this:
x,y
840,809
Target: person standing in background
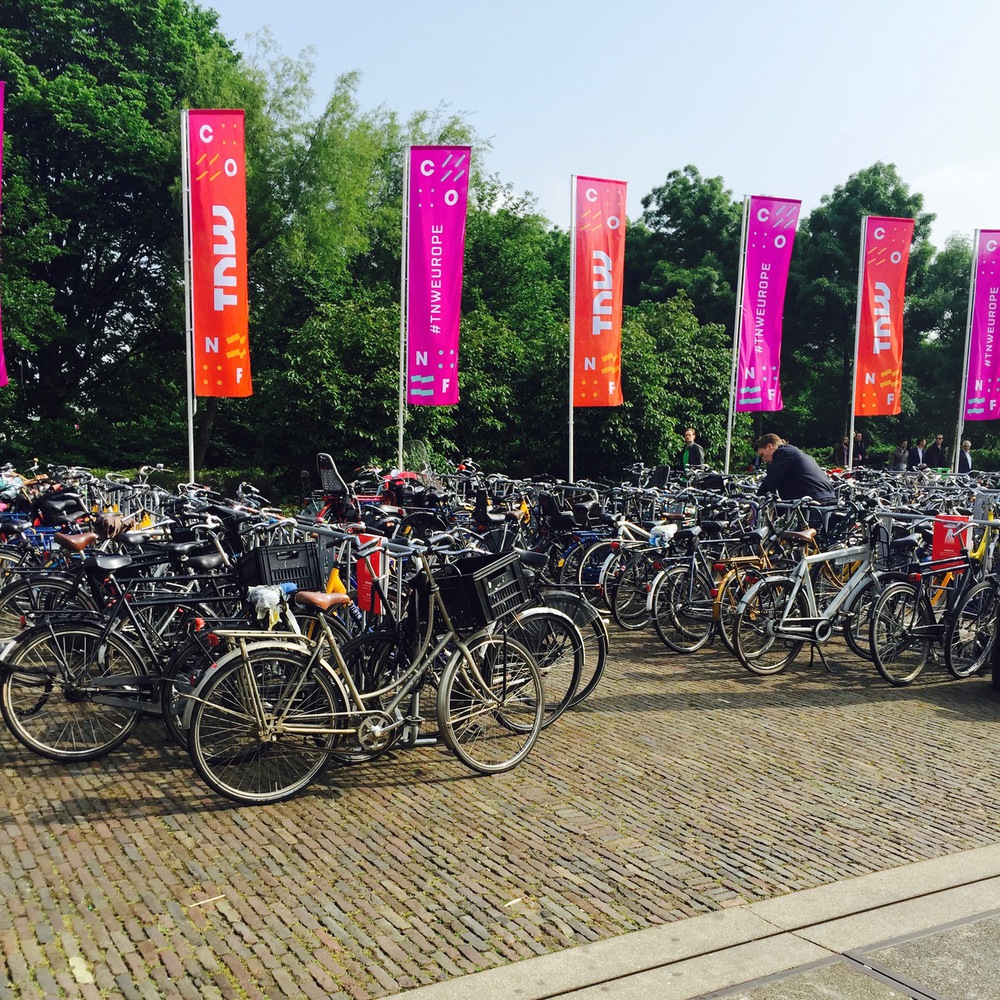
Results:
x,y
860,451
965,458
934,456
691,453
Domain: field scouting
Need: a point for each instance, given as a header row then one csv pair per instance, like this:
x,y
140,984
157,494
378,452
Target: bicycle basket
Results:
x,y
480,589
270,564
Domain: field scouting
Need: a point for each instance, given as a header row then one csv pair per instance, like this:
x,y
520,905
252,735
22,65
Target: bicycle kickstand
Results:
x,y
813,650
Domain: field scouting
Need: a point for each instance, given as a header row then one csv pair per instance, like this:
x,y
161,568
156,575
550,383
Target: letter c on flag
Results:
x,y
205,133
763,215
991,245
879,233
427,167
591,194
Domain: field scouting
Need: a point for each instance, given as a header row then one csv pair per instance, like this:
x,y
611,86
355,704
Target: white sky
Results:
x,y
779,97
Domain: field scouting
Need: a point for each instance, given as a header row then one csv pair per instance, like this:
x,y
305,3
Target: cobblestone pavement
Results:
x,y
683,785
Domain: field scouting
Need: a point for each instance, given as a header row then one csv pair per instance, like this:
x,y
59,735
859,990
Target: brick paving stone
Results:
x,y
683,785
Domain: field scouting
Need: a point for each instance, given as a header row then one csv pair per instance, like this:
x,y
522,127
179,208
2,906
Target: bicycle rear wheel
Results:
x,y
681,609
899,633
594,630
491,704
238,733
630,591
65,690
756,645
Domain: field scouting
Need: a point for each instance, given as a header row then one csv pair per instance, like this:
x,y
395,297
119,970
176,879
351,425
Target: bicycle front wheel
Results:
x,y
557,646
968,641
491,704
66,690
629,593
899,633
263,724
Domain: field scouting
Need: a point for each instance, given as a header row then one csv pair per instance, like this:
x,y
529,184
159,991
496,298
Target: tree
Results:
x,y
91,235
688,240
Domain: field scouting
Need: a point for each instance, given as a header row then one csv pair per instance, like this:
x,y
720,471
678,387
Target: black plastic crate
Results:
x,y
479,589
270,564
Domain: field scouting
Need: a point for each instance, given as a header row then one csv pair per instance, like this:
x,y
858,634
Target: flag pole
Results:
x,y
572,308
188,303
403,304
737,327
857,339
964,389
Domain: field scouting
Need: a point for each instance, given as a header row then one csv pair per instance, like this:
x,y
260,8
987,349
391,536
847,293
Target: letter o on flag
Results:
x,y
895,256
591,194
231,168
763,215
451,197
205,133
780,240
427,167
614,222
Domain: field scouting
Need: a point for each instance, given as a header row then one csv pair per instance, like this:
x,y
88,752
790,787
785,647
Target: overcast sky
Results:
x,y
779,98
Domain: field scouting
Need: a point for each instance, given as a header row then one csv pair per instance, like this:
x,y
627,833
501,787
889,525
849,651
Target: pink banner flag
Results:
x,y
3,362
770,236
982,386
438,194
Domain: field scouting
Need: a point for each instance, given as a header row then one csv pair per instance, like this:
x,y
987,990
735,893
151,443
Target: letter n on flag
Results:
x,y
218,248
878,370
437,197
767,254
598,273
982,386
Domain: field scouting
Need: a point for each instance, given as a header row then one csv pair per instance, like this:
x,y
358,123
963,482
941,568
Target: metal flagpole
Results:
x,y
963,389
403,304
737,326
857,339
188,303
572,307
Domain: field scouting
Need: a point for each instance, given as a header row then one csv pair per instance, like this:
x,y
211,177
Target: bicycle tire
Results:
x,y
971,633
552,637
629,599
596,640
591,570
733,587
569,563
46,695
681,609
899,654
35,594
231,753
491,704
757,648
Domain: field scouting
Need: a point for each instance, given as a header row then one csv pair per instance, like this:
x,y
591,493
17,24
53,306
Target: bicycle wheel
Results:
x,y
491,704
591,569
39,593
594,630
184,669
857,621
969,638
569,563
556,643
681,609
899,633
756,645
630,592
732,589
66,688
262,723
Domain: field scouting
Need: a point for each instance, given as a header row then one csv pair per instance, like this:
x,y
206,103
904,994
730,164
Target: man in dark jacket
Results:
x,y
934,456
691,453
791,473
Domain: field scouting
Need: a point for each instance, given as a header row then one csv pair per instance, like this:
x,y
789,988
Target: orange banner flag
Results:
x,y
878,368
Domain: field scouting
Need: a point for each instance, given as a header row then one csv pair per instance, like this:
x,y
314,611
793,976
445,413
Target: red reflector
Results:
x,y
914,577
714,592
213,640
615,546
24,620
719,568
199,624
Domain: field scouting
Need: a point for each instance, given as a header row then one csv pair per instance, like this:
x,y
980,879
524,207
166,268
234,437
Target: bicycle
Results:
x,y
267,717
